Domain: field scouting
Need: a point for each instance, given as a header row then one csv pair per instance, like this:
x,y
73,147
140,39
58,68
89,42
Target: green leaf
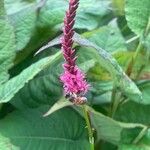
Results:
x,y
108,38
137,15
111,65
145,88
2,10
28,129
52,13
5,143
143,144
88,65
7,49
87,17
63,102
113,131
48,84
137,113
146,140
132,147
22,15
10,88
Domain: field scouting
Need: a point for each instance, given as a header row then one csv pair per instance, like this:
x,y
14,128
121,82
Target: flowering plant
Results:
x,y
94,76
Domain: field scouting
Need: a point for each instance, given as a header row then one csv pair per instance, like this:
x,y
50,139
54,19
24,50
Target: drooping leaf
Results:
x,y
111,65
10,88
28,129
22,15
63,102
137,15
7,49
55,41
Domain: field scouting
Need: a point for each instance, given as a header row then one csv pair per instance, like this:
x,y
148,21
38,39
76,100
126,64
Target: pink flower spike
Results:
x,y
74,83
73,78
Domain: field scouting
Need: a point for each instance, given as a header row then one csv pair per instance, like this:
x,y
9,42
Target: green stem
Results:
x,y
115,101
133,59
137,51
113,97
147,52
90,131
147,28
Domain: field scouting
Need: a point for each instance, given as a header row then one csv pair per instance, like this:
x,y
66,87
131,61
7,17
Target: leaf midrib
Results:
x,y
43,138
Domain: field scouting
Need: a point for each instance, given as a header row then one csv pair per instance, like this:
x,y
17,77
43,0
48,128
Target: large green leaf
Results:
x,y
106,128
108,38
87,18
7,49
10,88
52,13
114,131
137,113
22,15
28,130
137,15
